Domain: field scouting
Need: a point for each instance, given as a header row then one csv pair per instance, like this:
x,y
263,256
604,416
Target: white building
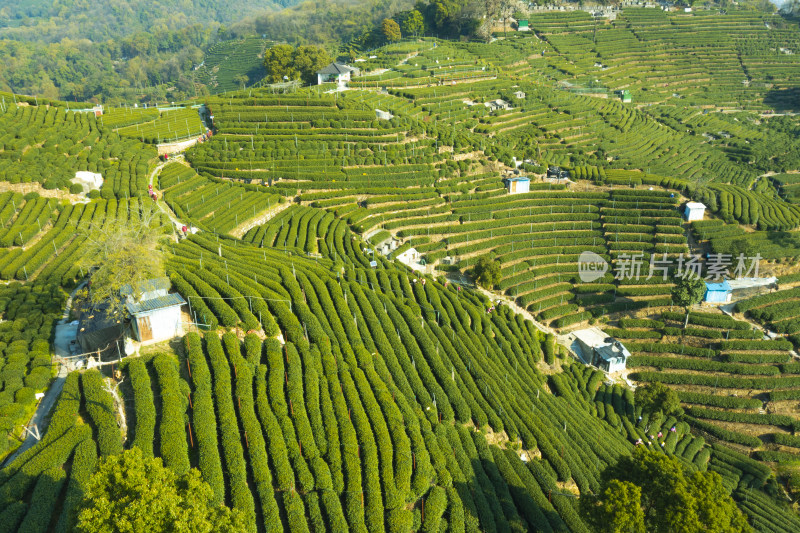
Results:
x,y
409,257
498,105
694,211
155,314
600,350
518,185
335,72
519,95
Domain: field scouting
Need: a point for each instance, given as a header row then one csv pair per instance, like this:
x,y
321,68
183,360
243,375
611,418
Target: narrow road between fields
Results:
x,y
162,205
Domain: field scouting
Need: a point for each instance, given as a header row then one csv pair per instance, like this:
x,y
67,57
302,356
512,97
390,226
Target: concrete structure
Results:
x,y
383,115
717,293
88,180
497,105
335,72
409,256
694,211
155,314
600,350
519,95
518,185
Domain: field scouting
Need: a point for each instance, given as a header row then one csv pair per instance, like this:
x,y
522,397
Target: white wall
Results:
x,y
165,323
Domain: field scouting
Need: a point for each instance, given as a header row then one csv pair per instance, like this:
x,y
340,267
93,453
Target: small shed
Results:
x,y
626,97
409,256
694,211
156,319
335,72
518,185
519,95
718,293
522,25
600,350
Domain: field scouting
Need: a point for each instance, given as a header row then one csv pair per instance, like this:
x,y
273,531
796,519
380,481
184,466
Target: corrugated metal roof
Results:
x,y
162,302
147,285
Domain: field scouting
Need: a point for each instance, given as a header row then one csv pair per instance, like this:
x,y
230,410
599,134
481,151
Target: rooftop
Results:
x,y
721,286
593,336
695,205
336,68
162,302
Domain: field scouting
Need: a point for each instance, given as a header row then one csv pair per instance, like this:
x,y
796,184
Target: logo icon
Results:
x,y
591,267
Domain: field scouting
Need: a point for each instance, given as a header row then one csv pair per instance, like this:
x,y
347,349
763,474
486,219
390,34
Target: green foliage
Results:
x,y
295,63
656,397
487,271
131,492
390,30
652,492
688,291
100,405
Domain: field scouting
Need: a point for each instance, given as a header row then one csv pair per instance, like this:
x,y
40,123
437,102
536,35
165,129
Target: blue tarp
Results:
x,y
717,292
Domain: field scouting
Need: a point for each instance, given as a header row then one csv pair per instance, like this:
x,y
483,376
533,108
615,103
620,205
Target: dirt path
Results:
x,y
162,205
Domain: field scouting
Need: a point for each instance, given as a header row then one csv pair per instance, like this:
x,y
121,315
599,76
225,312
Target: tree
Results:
x,y
307,60
390,30
687,292
131,493
487,272
303,62
241,80
123,252
655,397
278,61
653,492
413,23
621,511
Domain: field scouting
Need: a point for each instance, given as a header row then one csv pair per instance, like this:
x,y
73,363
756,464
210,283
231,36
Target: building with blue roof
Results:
x,y
718,293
